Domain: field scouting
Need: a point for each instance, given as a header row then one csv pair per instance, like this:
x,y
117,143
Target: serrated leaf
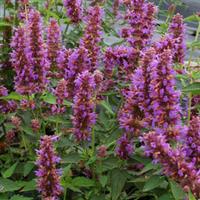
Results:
x,y
193,88
9,172
82,182
177,191
9,185
153,182
118,180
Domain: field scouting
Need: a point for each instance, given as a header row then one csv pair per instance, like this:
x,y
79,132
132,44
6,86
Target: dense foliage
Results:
x,y
99,100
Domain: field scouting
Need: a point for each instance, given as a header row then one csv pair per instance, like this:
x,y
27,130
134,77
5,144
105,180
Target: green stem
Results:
x,y
65,193
93,142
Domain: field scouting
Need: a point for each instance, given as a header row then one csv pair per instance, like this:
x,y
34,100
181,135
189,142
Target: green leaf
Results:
x,y
28,168
148,167
177,191
13,96
107,107
72,158
29,186
153,182
9,185
192,18
103,180
9,172
191,196
49,98
27,130
118,180
193,88
82,182
20,197
167,196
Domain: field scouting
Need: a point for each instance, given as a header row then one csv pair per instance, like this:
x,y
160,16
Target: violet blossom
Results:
x,y
84,116
92,35
48,176
74,9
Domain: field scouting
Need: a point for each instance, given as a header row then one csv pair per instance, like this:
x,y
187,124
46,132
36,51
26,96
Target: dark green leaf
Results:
x,y
118,180
153,182
82,182
177,191
9,172
28,168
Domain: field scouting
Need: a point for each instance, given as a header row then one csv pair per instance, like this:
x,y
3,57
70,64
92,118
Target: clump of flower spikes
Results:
x,y
124,147
92,35
140,15
6,106
48,176
22,62
74,9
122,56
84,116
191,144
53,44
176,31
38,49
72,63
173,162
164,98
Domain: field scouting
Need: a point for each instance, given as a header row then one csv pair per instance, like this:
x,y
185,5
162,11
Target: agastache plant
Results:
x,y
177,31
38,49
124,147
53,44
173,162
165,99
140,16
74,10
48,176
191,144
84,116
92,35
123,57
22,62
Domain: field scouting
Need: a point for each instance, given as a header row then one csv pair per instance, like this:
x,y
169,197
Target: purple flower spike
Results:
x,y
53,43
165,99
22,62
48,177
38,49
192,141
140,16
92,35
74,9
177,31
124,147
173,162
84,116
